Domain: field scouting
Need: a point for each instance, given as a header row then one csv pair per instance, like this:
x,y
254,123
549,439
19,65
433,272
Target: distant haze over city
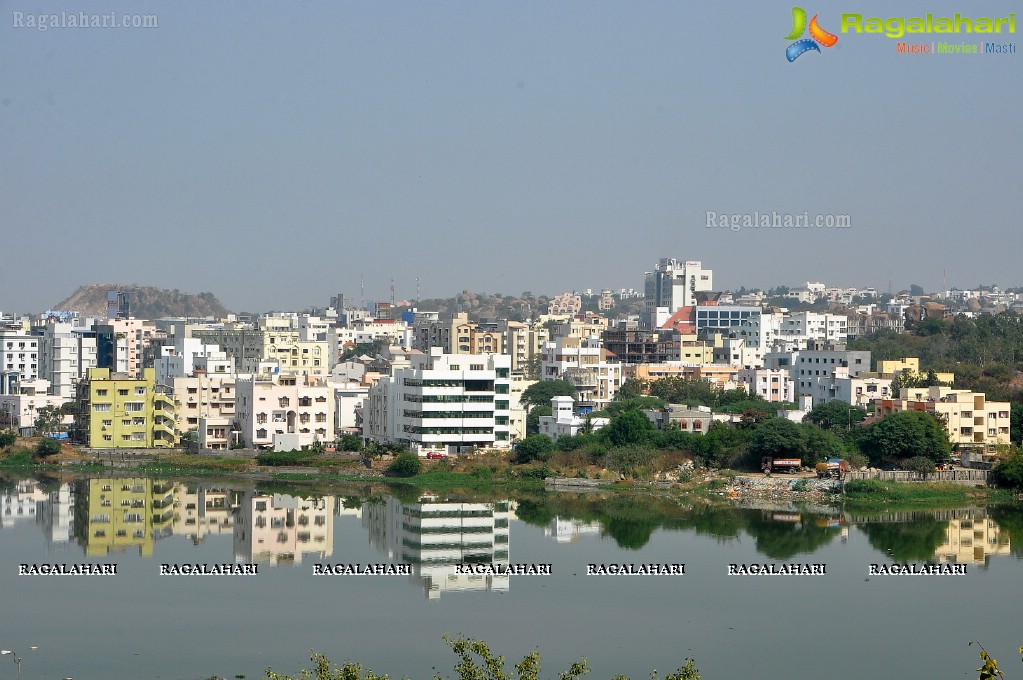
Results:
x,y
278,157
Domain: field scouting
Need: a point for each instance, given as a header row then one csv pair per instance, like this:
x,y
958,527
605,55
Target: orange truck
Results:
x,y
833,468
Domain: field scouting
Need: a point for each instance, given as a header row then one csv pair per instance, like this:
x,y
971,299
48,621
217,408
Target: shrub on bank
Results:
x,y
282,458
407,464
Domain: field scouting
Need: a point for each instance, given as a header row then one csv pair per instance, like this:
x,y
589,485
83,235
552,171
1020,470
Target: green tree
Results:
x,y
631,427
406,464
630,389
780,438
1008,472
906,434
919,464
836,415
819,445
7,438
47,447
540,393
533,418
1016,422
679,390
634,404
48,420
349,442
537,399
537,447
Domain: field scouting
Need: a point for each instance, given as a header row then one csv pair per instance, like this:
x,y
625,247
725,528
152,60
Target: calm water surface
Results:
x,y
139,624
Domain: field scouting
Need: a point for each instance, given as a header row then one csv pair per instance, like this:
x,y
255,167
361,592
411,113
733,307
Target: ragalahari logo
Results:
x,y
817,35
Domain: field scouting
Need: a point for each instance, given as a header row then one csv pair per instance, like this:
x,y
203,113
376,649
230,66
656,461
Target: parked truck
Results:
x,y
834,468
791,465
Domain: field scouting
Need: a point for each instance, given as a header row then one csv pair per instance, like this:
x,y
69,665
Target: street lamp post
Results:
x,y
17,659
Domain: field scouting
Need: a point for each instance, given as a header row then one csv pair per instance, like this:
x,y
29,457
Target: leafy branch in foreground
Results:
x,y
475,662
989,670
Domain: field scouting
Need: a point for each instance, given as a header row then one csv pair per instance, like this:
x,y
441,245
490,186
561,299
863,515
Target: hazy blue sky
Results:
x,y
273,152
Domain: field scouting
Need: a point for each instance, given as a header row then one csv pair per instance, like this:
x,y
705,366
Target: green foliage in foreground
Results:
x,y
1009,471
877,491
47,447
475,662
989,667
407,464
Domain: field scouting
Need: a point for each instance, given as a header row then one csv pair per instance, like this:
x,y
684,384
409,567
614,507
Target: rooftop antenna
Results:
x,y
362,290
417,290
392,293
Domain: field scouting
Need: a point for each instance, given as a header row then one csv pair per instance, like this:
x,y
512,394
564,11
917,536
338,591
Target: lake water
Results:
x,y
138,624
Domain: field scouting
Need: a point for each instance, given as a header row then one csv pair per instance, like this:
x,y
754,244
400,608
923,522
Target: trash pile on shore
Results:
x,y
808,489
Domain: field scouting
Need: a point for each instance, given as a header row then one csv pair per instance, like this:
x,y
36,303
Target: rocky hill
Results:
x,y
146,302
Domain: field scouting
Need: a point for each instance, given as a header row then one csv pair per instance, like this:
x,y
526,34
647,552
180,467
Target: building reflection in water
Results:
x,y
200,511
972,540
565,530
434,535
279,529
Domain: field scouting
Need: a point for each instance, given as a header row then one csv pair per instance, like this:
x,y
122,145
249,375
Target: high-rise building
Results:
x,y
673,284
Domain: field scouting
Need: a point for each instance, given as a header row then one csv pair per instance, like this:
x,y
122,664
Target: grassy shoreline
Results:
x,y
479,475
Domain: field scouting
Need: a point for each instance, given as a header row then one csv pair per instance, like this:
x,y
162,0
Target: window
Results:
x,y
101,407
122,393
134,406
140,391
260,418
101,393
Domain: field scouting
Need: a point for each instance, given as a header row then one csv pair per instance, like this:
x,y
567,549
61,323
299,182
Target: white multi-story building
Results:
x,y
673,284
819,360
761,331
443,402
773,385
312,328
854,390
585,363
20,401
349,399
19,352
812,326
736,352
285,412
66,353
564,423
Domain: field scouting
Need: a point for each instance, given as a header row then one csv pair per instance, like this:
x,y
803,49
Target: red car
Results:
x,y
435,455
